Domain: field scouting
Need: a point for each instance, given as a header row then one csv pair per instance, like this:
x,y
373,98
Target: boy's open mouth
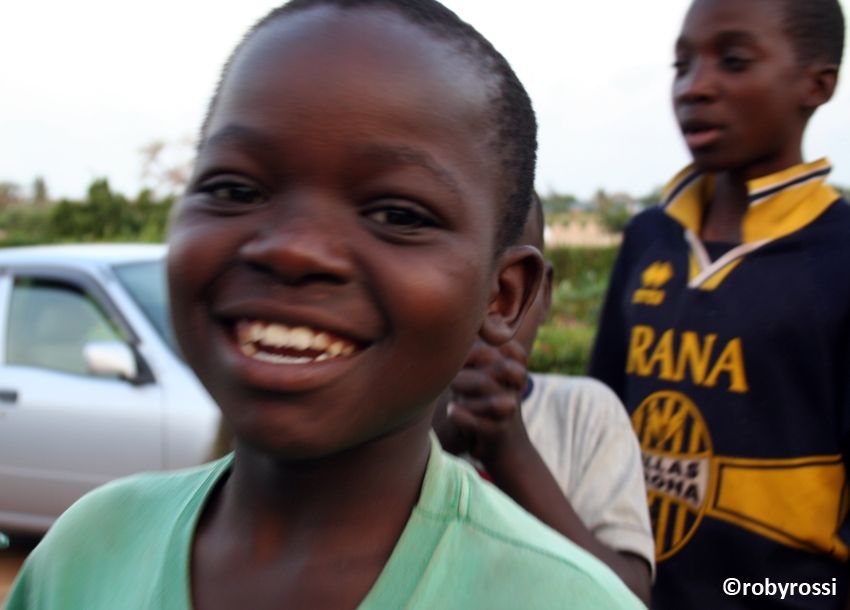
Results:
x,y
699,133
281,344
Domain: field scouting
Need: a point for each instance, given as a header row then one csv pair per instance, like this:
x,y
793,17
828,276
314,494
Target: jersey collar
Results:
x,y
780,203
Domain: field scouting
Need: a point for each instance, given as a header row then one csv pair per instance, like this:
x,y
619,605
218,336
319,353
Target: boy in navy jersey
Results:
x,y
726,330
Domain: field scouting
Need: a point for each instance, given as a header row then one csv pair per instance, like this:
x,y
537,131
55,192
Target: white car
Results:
x,y
91,383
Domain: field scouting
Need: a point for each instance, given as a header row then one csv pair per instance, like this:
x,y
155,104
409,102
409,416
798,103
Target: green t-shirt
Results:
x,y
466,546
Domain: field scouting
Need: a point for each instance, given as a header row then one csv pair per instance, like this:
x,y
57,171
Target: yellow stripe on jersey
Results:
x,y
796,502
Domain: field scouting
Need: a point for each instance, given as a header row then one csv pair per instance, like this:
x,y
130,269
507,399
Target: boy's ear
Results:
x,y
822,81
547,284
519,271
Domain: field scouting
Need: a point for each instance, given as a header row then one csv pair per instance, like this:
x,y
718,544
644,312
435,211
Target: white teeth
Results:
x,y
256,331
321,342
243,333
300,338
253,335
275,335
276,359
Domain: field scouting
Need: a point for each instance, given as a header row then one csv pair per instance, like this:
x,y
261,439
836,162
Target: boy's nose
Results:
x,y
696,84
301,247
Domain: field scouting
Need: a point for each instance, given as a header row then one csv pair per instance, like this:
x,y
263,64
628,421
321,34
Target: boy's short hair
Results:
x,y
514,126
816,29
536,215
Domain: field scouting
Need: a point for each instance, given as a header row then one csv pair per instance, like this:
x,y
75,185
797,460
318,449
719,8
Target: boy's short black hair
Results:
x,y
535,215
816,29
513,122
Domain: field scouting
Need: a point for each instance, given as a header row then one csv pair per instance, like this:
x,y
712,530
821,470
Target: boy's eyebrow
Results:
x,y
736,37
726,37
404,155
235,133
396,154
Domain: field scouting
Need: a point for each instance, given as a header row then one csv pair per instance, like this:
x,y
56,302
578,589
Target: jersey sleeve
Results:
x,y
608,357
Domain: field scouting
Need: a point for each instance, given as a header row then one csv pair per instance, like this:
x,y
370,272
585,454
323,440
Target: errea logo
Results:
x,y
652,279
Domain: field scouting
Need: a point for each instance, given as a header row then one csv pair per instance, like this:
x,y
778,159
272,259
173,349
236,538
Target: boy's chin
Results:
x,y
712,164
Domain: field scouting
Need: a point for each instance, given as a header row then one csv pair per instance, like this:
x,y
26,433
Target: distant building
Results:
x,y
583,229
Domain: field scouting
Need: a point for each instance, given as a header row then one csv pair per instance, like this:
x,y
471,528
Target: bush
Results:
x,y
562,349
581,279
104,216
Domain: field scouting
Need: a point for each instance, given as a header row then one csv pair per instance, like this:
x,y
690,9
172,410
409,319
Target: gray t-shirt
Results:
x,y
582,432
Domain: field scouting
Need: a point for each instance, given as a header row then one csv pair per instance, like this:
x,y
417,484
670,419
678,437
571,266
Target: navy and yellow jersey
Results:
x,y
735,369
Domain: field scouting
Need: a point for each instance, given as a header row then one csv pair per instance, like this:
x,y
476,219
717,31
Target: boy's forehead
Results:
x,y
343,81
709,17
372,47
360,61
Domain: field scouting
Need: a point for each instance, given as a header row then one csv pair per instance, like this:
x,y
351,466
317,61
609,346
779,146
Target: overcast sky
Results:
x,y
84,85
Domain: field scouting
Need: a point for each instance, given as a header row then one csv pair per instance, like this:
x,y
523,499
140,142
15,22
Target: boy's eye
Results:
x,y
398,217
232,192
735,63
681,66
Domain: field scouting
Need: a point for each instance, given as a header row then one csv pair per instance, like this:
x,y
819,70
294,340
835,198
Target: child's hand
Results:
x,y
485,403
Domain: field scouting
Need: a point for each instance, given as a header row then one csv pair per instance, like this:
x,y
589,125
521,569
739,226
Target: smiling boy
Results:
x,y
343,241
726,330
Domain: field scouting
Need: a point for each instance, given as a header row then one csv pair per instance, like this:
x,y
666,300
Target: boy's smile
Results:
x,y
338,233
738,88
280,344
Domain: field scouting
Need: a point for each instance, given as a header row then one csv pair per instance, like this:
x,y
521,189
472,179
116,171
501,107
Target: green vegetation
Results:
x,y
581,279
104,216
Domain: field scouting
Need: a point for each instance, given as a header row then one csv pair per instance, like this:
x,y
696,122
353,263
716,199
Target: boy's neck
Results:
x,y
726,207
275,531
370,489
724,211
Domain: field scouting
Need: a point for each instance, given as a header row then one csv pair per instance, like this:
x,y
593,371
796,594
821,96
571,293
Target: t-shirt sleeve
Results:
x,y
19,597
608,490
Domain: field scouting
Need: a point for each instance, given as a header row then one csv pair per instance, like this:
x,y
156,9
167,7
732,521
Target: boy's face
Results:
x,y
738,88
332,260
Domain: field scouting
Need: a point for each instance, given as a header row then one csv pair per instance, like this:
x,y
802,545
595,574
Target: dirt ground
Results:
x,y
11,560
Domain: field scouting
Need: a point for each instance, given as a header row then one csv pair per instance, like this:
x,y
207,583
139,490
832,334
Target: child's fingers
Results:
x,y
462,419
482,354
469,423
509,373
497,407
515,351
474,383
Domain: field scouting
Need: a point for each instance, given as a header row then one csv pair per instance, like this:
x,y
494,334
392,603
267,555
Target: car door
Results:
x,y
63,429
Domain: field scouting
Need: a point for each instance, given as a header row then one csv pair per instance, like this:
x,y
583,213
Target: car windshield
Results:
x,y
145,281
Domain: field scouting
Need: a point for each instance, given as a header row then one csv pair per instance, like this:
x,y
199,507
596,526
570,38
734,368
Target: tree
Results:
x,y
10,195
40,196
556,203
166,166
614,211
